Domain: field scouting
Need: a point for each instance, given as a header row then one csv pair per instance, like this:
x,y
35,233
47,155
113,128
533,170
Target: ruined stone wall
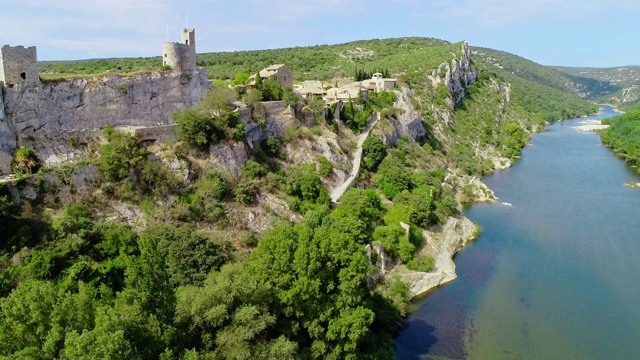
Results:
x,y
19,65
60,120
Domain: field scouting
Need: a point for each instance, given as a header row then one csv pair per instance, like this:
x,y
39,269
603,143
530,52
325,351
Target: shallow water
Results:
x,y
556,275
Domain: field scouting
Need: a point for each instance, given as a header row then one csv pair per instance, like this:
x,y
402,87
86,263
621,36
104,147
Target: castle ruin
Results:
x,y
181,56
18,66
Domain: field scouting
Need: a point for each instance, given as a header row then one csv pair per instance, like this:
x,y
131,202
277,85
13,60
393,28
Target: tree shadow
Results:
x,y
415,341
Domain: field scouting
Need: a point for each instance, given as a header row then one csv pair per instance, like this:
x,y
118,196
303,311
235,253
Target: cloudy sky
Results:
x,y
552,32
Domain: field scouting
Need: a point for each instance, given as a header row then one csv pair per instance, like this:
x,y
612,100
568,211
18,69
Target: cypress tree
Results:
x,y
258,81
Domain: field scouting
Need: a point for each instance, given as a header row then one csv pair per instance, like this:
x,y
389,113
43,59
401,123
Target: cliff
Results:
x,y
61,119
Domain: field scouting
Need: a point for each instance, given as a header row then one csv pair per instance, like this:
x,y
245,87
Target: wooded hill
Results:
x,y
619,86
540,89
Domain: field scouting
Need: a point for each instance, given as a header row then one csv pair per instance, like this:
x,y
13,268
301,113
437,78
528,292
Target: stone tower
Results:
x,y
19,66
181,56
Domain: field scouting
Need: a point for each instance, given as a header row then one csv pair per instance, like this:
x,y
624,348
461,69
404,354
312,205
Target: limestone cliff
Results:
x,y
60,119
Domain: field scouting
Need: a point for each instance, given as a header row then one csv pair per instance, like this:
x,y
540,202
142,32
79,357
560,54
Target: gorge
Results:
x,y
554,275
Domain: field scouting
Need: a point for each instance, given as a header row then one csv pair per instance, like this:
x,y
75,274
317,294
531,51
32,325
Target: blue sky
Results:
x,y
551,32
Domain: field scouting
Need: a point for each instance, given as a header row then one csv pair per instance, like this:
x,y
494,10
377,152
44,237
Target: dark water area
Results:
x,y
554,276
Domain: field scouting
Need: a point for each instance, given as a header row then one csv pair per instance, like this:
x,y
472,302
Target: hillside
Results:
x,y
619,86
540,89
149,216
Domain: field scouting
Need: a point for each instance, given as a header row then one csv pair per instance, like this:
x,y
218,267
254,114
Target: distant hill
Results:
x,y
540,89
619,86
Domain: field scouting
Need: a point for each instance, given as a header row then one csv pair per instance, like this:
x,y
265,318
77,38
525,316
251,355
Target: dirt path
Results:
x,y
357,157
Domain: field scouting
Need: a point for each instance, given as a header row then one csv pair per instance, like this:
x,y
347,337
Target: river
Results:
x,y
556,275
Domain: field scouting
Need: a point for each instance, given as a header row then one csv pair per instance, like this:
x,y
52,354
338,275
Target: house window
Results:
x,y
23,76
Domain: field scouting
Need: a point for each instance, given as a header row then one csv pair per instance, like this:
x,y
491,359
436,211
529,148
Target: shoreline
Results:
x,y
442,243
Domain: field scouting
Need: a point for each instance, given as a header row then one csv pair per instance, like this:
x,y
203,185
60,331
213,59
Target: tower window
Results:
x,y
186,42
23,76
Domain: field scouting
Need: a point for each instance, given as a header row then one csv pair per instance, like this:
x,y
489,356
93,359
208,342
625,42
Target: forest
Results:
x,y
623,135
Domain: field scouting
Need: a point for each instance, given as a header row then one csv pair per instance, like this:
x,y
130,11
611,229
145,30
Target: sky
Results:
x,y
551,32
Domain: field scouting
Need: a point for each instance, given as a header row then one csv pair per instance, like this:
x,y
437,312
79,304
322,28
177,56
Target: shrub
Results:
x,y
252,170
326,168
241,132
212,186
25,161
303,182
120,156
194,127
245,192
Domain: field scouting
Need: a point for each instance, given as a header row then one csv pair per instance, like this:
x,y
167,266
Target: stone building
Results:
x,y
18,66
181,56
280,72
379,83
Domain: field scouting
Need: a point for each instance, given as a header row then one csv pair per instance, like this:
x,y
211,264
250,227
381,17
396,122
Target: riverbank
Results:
x,y
590,126
442,243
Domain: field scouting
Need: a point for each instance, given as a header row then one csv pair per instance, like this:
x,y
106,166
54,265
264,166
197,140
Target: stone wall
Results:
x,y
60,120
19,65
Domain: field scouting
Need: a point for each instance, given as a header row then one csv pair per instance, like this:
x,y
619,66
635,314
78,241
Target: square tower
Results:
x,y
19,65
189,38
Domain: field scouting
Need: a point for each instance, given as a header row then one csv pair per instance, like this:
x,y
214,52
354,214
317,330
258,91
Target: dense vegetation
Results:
x,y
186,278
538,89
623,135
320,62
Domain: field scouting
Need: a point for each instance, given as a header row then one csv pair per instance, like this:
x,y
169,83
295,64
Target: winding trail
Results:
x,y
337,192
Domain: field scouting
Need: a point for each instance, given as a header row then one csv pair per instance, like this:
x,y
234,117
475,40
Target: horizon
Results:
x,y
547,33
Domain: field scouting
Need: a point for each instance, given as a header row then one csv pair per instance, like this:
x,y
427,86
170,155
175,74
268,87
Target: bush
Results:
x,y
212,186
120,156
326,168
194,127
25,161
422,263
241,132
245,192
252,170
271,90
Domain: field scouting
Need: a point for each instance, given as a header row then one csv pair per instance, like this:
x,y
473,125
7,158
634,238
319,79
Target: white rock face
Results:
x,y
60,119
441,243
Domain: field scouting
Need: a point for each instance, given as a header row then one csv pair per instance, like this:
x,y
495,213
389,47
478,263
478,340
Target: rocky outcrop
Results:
x,y
458,74
61,119
264,119
441,243
406,123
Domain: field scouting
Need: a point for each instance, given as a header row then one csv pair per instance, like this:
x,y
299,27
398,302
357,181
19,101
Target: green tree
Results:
x,y
258,81
271,90
229,317
241,78
374,150
121,155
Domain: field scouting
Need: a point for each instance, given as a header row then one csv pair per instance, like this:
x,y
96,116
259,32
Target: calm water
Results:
x,y
555,276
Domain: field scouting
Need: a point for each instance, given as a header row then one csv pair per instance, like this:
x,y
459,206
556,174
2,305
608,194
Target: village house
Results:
x,y
345,93
281,73
310,89
379,83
